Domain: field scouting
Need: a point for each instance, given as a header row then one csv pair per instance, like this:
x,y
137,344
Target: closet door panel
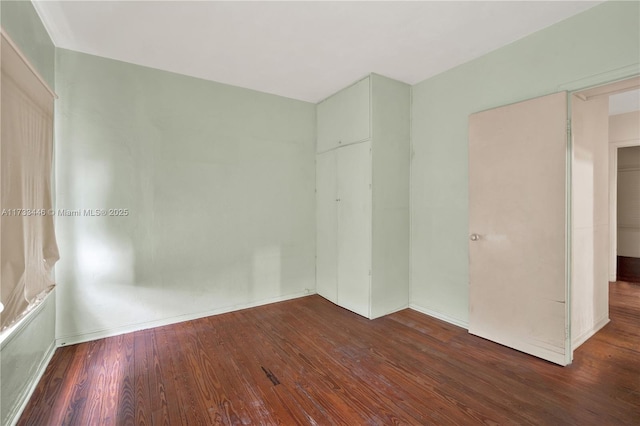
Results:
x,y
354,227
326,226
344,118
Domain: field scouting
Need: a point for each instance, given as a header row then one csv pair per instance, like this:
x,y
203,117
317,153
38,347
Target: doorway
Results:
x,y
539,227
628,215
624,184
599,127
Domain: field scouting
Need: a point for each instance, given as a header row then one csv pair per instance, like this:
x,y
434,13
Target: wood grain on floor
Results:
x,y
307,361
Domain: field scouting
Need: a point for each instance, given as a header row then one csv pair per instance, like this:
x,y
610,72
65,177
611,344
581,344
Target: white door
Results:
x,y
354,227
517,223
326,226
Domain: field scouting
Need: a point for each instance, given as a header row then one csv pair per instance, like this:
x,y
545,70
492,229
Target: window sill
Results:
x,y
10,332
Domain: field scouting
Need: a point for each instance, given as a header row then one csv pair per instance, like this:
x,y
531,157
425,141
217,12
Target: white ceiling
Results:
x,y
301,50
624,102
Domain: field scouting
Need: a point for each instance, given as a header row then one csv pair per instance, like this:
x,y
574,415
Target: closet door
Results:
x,y
344,118
354,227
326,226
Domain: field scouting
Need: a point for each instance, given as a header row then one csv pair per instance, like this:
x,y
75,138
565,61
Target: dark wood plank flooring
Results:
x,y
628,269
307,361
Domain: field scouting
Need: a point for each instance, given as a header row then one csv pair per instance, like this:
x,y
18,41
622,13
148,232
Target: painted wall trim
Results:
x,y
101,334
440,316
601,78
411,155
579,340
33,382
24,59
568,239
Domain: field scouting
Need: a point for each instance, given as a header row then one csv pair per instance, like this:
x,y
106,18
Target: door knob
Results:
x,y
474,237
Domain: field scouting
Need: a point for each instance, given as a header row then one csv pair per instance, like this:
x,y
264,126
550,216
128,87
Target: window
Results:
x,y
28,246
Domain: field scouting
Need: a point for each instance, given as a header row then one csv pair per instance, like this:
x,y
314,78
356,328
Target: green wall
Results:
x,y
22,23
603,39
219,182
25,352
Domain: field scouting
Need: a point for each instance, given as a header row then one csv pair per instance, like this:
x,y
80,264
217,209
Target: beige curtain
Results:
x,y
28,245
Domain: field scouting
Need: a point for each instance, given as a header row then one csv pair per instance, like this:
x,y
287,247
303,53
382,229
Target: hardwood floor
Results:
x,y
628,269
307,361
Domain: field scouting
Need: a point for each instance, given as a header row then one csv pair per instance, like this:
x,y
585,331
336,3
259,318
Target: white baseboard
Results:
x,y
393,311
579,340
33,382
440,316
101,334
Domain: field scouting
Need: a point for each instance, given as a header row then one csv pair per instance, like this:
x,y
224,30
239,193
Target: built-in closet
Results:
x,y
362,193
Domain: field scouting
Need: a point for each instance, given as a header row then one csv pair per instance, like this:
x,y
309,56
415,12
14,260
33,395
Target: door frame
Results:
x,y
574,88
613,202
